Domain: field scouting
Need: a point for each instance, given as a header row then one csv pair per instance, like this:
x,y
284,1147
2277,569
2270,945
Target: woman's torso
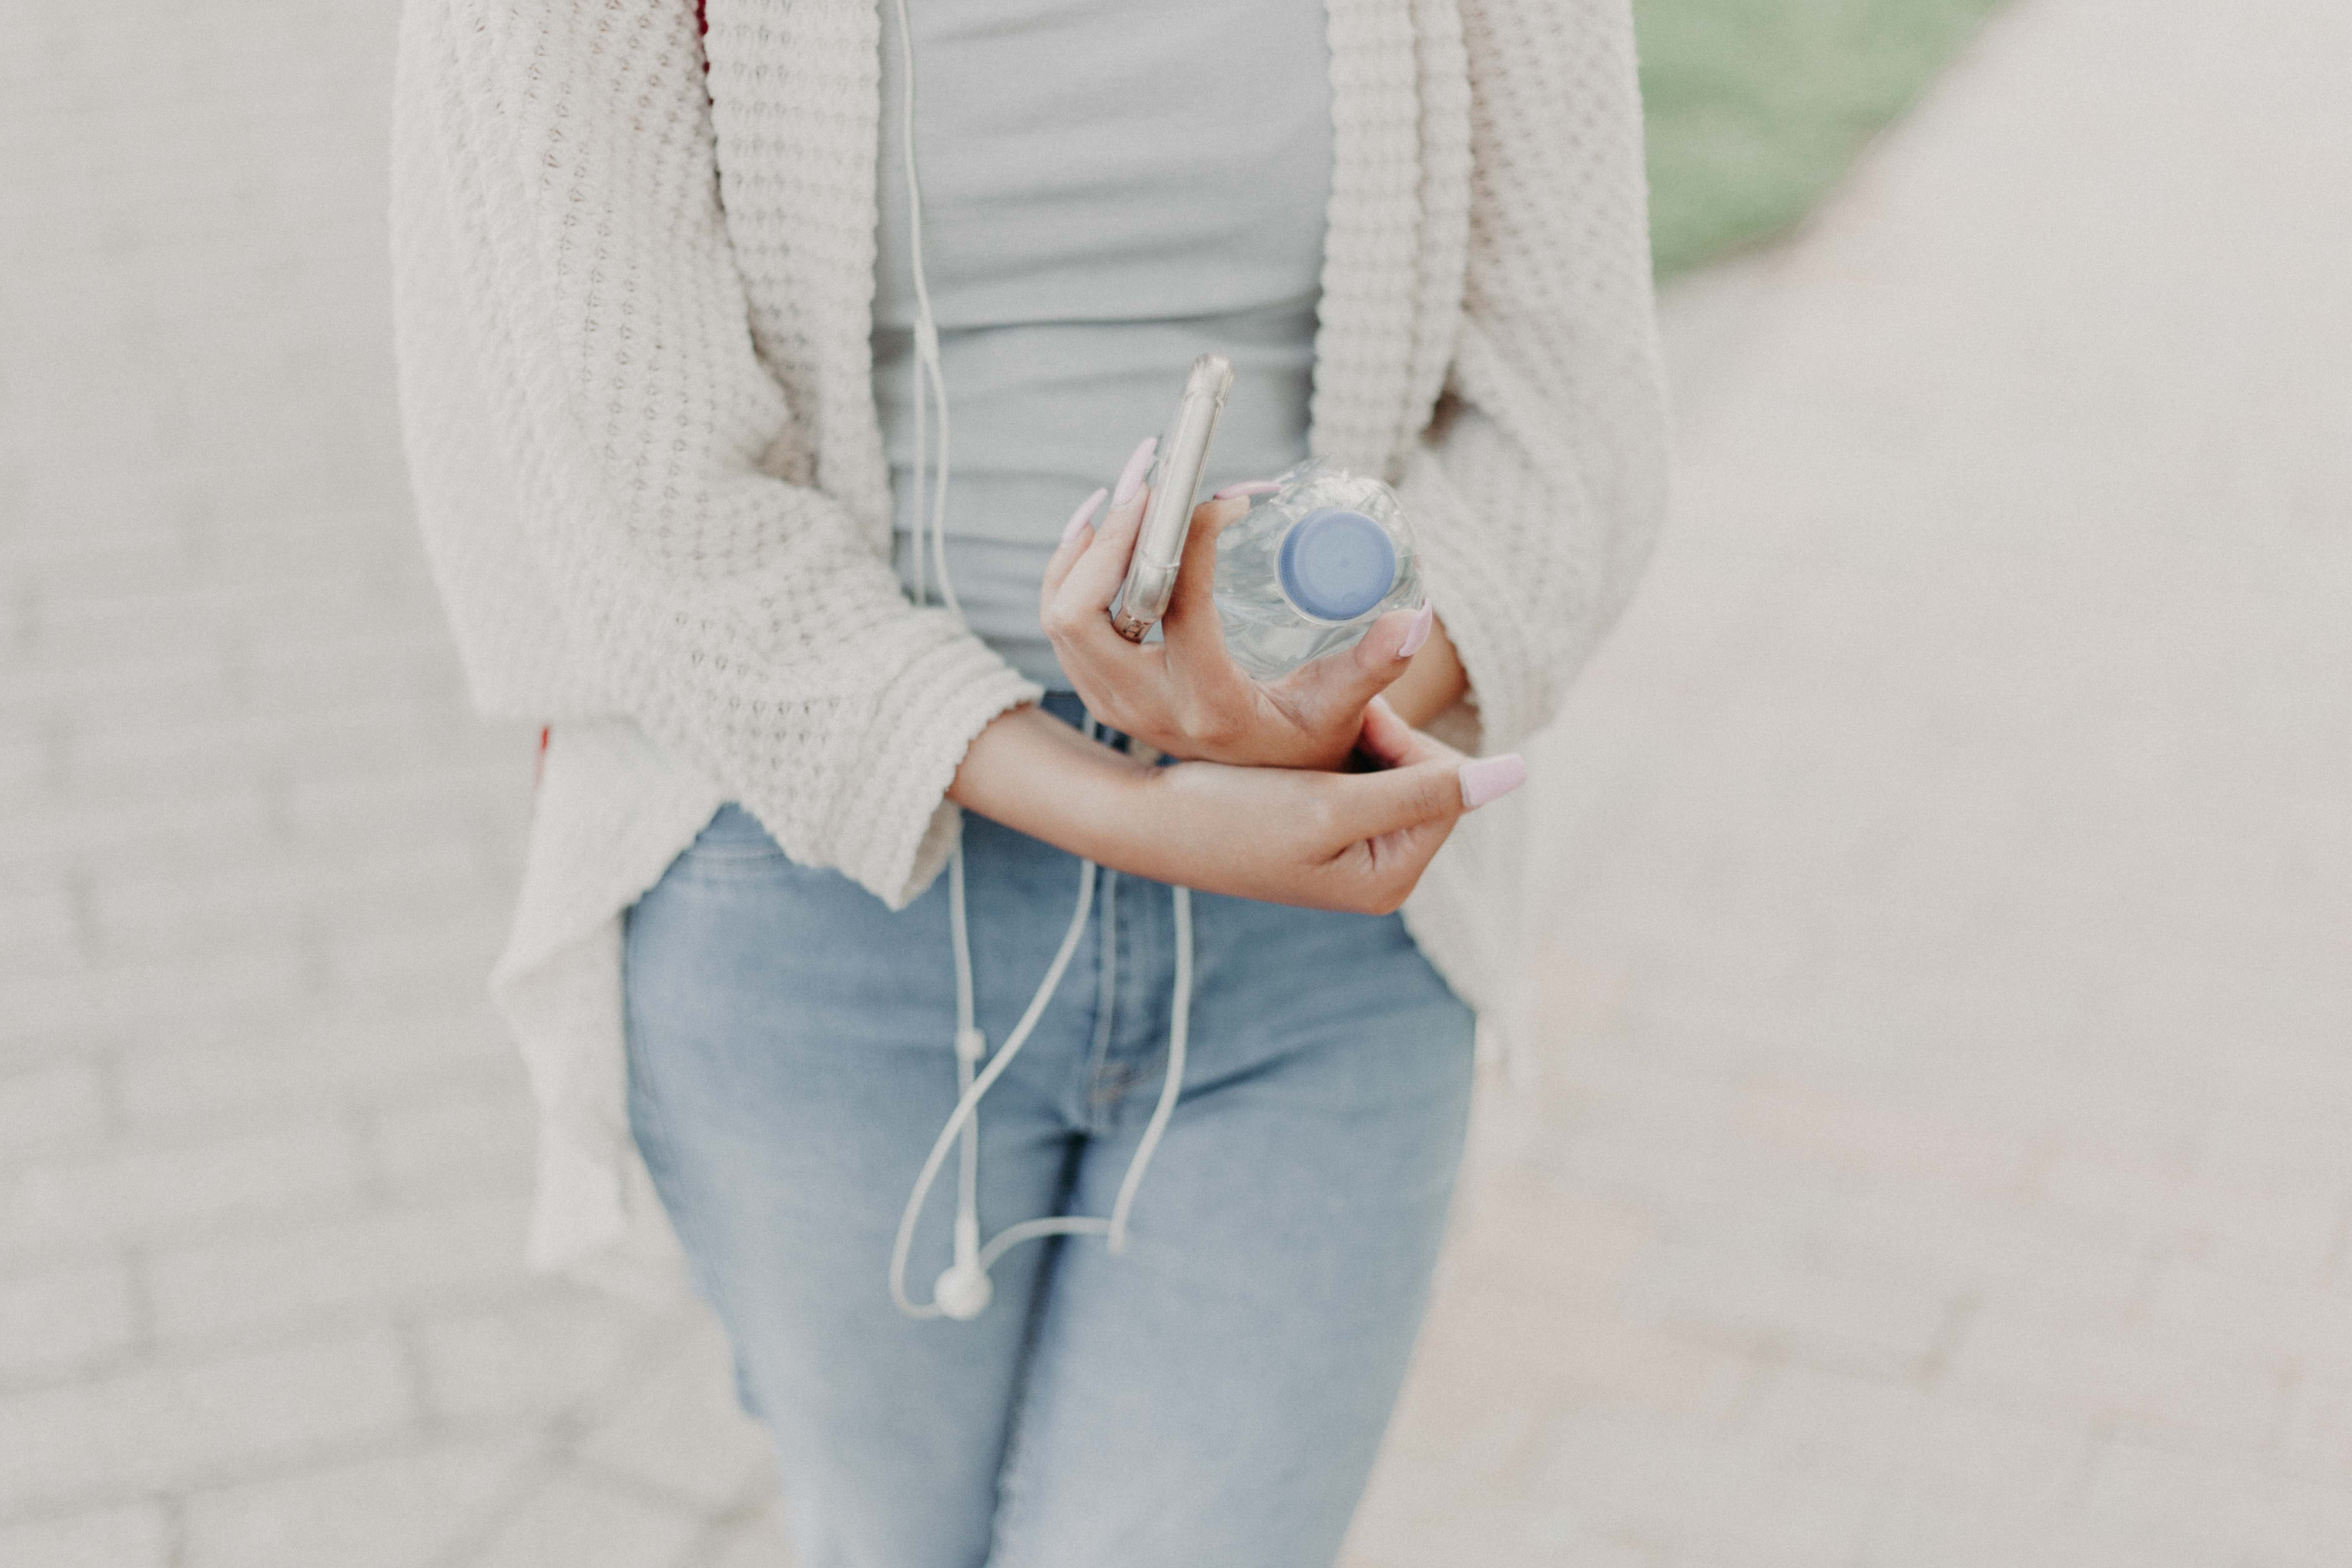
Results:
x,y
1108,190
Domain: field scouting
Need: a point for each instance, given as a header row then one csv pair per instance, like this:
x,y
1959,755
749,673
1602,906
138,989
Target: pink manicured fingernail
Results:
x,y
1247,487
1491,778
1084,514
1418,633
1131,478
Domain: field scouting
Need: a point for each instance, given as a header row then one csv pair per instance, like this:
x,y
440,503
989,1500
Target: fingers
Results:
x,y
1092,580
1074,542
1370,804
1388,740
1195,636
1427,780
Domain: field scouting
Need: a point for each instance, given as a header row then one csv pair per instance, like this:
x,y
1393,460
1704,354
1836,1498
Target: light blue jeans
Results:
x,y
1212,1396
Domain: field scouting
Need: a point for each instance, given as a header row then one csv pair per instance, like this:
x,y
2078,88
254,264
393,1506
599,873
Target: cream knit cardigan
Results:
x,y
632,305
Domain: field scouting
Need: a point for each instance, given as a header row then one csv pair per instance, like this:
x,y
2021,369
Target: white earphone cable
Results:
x,y
971,1045
968,1102
931,379
963,1290
1179,1028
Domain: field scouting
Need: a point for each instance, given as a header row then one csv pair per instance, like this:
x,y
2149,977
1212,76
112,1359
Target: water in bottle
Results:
x,y
1309,567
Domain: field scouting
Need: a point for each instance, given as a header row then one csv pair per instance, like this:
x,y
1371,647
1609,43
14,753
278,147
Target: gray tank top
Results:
x,y
1111,187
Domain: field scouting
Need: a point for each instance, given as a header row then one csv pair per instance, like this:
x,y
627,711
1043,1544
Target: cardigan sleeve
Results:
x,y
1541,477
750,626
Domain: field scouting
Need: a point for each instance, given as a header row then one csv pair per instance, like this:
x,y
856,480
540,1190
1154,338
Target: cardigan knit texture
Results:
x,y
634,275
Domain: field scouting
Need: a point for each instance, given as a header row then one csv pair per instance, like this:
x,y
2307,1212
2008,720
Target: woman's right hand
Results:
x,y
1184,694
1358,842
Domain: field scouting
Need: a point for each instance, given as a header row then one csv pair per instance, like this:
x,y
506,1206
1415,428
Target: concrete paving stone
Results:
x,y
276,894
29,765
409,661
358,739
1600,1351
55,1322
2172,1012
581,1521
2285,1232
31,1044
41,927
1476,1531
364,529
1966,1248
404,1510
1517,1224
761,1542
539,1356
2314,1438
61,1106
108,998
2233,1316
129,524
403,967
1757,1304
1477,1494
1878,1137
180,1424
491,784
679,1428
1924,1527
177,680
278,1064
169,606
453,880
476,1139
1638,1477
2147,1494
153,1190
1896,1437
136,1535
363,1265
2150,1387
98,837
94,398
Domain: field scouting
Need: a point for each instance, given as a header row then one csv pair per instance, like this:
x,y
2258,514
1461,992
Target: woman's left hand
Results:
x,y
1185,694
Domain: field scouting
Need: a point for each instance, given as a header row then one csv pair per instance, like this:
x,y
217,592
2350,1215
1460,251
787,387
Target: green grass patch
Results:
x,y
1755,106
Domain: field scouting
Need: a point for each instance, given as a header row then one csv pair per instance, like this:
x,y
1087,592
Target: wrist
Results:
x,y
1040,776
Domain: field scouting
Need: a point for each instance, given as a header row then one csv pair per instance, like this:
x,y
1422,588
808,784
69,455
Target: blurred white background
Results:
x,y
1942,1155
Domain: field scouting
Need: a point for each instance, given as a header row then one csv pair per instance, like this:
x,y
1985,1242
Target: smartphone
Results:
x,y
1175,477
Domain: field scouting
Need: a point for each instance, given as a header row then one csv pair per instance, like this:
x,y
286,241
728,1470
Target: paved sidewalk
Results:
x,y
1943,1160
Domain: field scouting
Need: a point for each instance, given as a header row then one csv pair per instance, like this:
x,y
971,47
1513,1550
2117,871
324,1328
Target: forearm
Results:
x,y
1291,835
1039,776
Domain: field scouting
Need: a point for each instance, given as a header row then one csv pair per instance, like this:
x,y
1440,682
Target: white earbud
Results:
x,y
963,1291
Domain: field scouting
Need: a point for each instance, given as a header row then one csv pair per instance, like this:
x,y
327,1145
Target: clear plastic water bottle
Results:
x,y
1310,567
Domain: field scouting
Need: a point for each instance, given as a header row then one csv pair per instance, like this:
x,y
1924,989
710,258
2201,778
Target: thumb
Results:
x,y
1343,682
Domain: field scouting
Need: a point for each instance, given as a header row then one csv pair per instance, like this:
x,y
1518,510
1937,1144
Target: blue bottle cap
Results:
x,y
1335,564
